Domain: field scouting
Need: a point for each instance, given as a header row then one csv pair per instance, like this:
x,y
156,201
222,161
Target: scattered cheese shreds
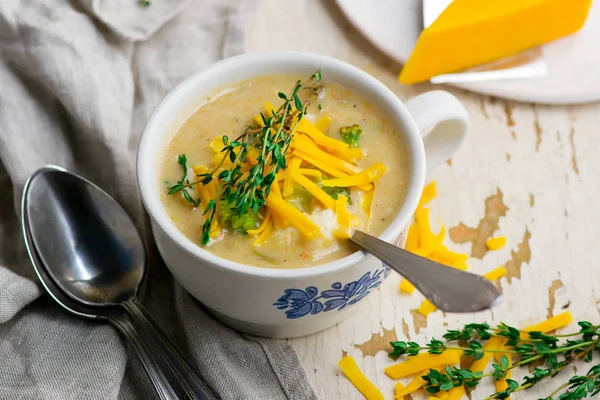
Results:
x,y
323,123
270,109
344,219
315,190
495,243
460,264
457,393
358,379
217,145
439,238
350,155
292,167
295,217
279,221
426,238
494,343
496,273
319,137
258,119
439,396
422,362
551,324
266,220
366,205
429,193
426,308
315,173
321,165
275,190
397,390
367,176
414,385
406,286
448,256
412,239
307,145
266,233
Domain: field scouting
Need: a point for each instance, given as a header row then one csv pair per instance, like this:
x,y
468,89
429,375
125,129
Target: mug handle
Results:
x,y
443,122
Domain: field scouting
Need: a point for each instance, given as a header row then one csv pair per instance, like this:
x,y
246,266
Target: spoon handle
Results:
x,y
195,387
448,288
161,384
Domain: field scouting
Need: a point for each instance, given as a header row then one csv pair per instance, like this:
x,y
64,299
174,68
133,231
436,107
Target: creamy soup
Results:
x,y
340,137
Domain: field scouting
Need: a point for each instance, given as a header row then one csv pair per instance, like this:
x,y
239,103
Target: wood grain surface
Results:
x,y
528,172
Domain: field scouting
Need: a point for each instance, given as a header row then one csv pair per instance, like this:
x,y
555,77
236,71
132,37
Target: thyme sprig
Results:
x,y
184,183
552,353
271,141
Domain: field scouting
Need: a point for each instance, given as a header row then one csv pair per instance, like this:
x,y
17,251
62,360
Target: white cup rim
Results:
x,y
152,137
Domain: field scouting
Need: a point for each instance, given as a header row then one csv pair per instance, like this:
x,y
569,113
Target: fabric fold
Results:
x,y
79,79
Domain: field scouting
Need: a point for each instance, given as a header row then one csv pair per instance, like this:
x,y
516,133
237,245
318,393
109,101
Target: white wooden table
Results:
x,y
528,172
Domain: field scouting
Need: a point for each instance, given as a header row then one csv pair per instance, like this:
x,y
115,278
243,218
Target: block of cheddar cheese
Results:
x,y
475,32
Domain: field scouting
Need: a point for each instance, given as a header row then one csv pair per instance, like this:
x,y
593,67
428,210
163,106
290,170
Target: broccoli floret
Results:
x,y
334,192
351,134
240,223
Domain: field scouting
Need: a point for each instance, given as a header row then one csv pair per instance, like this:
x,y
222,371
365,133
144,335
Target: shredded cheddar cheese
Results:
x,y
315,173
406,286
495,243
319,137
422,362
367,205
323,123
397,390
439,396
292,167
319,164
266,220
426,308
295,217
429,193
344,219
421,241
359,380
412,239
365,177
350,155
315,190
307,145
551,324
457,393
266,232
496,273
414,385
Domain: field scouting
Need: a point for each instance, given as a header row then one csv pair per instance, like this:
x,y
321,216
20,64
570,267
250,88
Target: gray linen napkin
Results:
x,y
77,81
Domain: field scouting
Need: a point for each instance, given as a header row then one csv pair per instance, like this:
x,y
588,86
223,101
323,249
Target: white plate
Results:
x,y
393,26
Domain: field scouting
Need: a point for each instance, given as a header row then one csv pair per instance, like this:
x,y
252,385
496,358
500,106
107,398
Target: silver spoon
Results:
x,y
94,253
449,289
112,315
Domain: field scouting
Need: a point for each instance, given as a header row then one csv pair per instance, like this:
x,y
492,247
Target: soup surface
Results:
x,y
281,241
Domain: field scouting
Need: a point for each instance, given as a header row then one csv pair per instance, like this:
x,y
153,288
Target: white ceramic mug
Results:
x,y
291,302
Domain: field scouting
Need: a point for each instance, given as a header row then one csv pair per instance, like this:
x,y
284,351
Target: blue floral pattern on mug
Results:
x,y
301,302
